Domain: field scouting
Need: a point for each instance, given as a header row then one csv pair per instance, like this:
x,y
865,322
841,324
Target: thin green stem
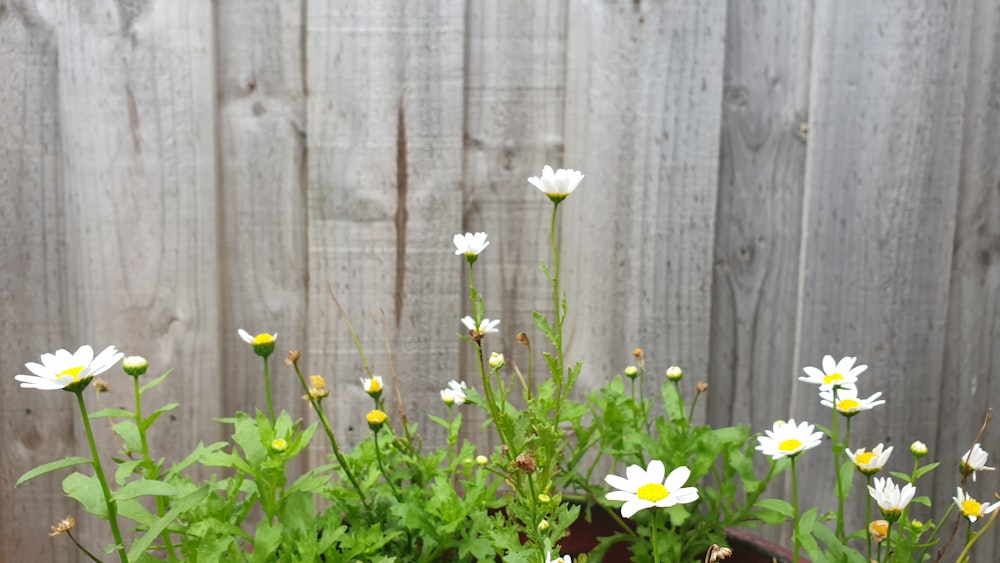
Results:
x,y
81,548
656,546
888,537
868,517
267,389
560,374
836,467
795,511
111,505
152,470
381,466
333,439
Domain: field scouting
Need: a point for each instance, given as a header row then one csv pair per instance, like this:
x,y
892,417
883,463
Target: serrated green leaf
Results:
x,y
50,467
545,326
183,505
126,469
145,424
129,433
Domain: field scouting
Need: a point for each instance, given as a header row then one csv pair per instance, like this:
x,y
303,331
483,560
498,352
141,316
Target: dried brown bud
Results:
x,y
64,525
638,353
522,338
293,356
526,463
101,385
701,387
716,553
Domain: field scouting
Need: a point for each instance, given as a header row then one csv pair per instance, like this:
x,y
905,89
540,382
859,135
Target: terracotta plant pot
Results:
x,y
746,547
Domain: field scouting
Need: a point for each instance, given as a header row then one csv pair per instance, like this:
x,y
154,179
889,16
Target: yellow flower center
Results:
x,y
74,371
848,405
790,445
263,338
971,507
376,417
864,458
653,492
832,378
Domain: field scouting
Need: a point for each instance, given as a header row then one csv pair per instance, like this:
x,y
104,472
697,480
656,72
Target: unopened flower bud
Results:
x,y
543,525
496,360
376,419
544,498
482,460
467,461
878,530
916,524
135,365
279,445
674,373
631,372
918,449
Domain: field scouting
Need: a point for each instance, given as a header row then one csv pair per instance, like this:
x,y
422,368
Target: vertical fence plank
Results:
x,y
761,174
33,281
971,359
515,93
643,99
886,111
137,107
385,170
261,172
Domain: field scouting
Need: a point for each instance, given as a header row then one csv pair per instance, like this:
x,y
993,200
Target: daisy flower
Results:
x,y
871,462
62,369
557,184
470,244
973,461
841,374
848,403
647,488
971,508
454,394
485,327
373,385
786,439
560,559
263,343
890,498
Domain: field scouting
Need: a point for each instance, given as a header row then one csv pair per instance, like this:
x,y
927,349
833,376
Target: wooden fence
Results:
x,y
767,182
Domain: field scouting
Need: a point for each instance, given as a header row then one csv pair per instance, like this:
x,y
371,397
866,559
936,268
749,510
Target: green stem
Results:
x,y
560,374
836,467
656,547
381,466
152,471
888,537
795,511
111,505
868,517
83,549
267,389
333,439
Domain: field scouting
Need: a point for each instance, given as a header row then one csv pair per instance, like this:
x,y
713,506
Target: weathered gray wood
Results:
x,y
968,375
38,426
515,98
643,100
883,160
761,177
261,164
385,170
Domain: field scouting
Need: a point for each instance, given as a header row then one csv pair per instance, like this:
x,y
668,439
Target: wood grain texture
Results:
x,y
883,160
515,98
968,374
385,172
261,164
643,108
38,426
761,179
